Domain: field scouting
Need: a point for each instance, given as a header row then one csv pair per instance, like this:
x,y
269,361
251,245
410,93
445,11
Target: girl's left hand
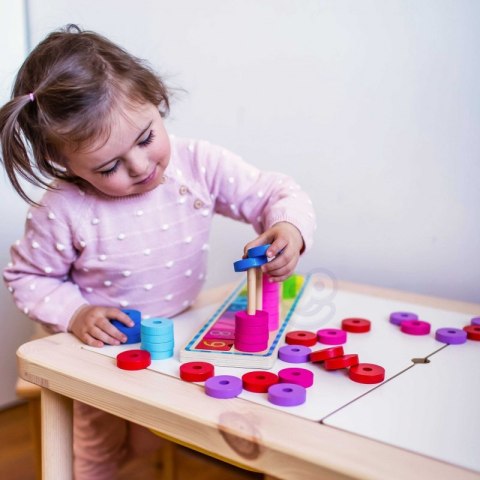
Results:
x,y
286,245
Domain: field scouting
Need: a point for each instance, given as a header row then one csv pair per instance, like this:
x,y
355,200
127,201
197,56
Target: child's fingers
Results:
x,y
90,340
117,314
282,271
107,333
277,247
260,240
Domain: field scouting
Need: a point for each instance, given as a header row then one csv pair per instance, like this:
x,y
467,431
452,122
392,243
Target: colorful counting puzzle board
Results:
x,y
214,341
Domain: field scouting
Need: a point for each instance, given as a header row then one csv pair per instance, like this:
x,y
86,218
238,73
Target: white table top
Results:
x,y
273,440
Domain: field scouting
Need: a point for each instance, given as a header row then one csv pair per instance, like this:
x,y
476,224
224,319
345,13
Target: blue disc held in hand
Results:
x,y
259,251
247,263
133,332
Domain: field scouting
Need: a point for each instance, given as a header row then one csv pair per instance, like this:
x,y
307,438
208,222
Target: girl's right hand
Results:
x,y
91,324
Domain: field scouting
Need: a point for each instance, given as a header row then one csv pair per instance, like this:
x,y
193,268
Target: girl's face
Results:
x,y
132,159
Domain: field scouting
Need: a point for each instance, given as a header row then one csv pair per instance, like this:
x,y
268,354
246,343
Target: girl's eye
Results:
x,y
148,140
110,171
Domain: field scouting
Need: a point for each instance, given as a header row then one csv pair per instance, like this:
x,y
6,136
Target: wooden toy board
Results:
x,y
214,341
394,415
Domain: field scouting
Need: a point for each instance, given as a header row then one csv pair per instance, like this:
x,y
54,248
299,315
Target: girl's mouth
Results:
x,y
150,177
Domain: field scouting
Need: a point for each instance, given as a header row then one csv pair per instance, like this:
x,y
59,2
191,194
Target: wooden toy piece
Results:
x,y
223,386
326,354
206,344
157,326
341,362
258,289
150,346
398,317
301,337
157,337
367,373
415,327
356,325
473,332
271,302
196,371
332,336
259,381
133,360
251,331
132,333
294,353
249,265
287,394
258,252
451,336
299,376
291,286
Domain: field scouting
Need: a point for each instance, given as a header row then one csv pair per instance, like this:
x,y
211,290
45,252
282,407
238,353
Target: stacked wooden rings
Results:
x,y
157,337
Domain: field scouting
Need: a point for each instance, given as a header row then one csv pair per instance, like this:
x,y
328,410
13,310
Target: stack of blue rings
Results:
x,y
157,337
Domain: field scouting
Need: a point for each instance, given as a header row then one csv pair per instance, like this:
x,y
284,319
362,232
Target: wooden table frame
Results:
x,y
275,442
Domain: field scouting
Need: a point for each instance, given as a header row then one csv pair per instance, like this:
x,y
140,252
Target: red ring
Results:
x,y
341,362
326,353
301,337
259,381
196,371
356,325
133,360
367,373
473,332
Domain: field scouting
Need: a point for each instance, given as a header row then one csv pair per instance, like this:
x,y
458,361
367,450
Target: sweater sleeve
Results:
x,y
38,274
261,198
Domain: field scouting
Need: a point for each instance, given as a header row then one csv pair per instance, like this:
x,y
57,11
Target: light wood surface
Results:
x,y
271,441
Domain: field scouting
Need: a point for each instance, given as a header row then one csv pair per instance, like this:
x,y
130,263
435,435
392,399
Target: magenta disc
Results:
x,y
332,336
299,376
243,319
250,347
415,327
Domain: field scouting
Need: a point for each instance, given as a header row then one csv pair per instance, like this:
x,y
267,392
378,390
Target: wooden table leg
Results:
x,y
57,436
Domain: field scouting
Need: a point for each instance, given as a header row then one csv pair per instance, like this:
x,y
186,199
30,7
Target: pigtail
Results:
x,y
16,150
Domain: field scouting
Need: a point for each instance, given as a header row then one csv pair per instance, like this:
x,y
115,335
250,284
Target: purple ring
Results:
x,y
287,394
223,386
475,321
451,335
294,353
398,317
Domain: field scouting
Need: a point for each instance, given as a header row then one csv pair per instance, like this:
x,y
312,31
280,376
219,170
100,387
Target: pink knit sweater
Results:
x,y
149,251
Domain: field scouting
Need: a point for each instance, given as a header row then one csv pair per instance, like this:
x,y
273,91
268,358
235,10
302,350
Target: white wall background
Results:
x,y
15,328
372,105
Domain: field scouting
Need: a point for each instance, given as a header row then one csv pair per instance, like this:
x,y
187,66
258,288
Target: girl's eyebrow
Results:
x,y
140,135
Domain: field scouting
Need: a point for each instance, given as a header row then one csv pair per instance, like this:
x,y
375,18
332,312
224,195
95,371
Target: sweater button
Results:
x,y
197,204
183,190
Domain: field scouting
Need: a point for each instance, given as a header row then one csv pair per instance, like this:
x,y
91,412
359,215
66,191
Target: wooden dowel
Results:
x,y
251,292
259,288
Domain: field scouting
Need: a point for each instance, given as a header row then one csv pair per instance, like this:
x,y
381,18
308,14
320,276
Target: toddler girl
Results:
x,y
127,211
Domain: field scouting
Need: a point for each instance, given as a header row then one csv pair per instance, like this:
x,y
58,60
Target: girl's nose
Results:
x,y
137,165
